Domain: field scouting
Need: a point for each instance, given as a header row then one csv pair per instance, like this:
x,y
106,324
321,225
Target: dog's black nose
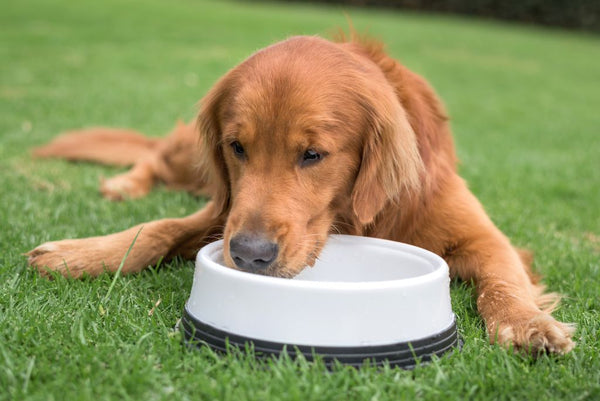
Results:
x,y
252,252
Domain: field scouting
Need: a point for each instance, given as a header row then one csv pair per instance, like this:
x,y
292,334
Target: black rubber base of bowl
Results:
x,y
403,354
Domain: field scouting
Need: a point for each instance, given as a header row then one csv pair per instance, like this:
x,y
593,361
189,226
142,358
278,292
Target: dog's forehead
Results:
x,y
284,118
303,85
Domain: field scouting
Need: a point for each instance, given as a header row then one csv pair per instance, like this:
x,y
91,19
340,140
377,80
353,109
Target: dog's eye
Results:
x,y
238,149
310,157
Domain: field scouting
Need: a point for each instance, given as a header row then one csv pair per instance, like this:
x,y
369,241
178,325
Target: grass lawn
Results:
x,y
525,107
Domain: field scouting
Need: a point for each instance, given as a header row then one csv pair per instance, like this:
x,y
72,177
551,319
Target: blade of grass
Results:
x,y
118,272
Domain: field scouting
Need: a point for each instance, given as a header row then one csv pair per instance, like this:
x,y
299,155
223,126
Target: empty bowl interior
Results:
x,y
340,262
351,259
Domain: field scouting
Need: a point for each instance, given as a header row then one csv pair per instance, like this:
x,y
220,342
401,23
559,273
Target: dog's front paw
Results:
x,y
535,333
71,258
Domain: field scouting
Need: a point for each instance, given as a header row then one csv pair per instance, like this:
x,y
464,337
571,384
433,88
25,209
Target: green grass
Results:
x,y
525,111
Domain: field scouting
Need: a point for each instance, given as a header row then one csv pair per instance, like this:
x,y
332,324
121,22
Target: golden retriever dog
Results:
x,y
305,138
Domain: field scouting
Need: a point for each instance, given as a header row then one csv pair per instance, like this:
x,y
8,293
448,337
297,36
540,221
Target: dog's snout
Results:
x,y
252,252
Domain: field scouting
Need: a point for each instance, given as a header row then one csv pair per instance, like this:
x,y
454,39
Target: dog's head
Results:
x,y
298,137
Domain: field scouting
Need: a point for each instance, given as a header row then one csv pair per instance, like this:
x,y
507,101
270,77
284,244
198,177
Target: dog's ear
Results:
x,y
209,124
391,167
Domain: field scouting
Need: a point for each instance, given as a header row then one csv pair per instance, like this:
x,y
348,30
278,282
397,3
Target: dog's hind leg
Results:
x,y
135,183
172,160
118,147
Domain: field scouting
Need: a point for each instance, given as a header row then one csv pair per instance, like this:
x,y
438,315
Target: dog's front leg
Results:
x,y
516,310
514,307
155,240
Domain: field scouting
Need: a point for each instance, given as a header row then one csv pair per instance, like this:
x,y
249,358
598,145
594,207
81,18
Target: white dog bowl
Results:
x,y
365,298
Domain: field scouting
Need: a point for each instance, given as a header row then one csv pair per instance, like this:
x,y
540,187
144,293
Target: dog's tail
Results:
x,y
101,145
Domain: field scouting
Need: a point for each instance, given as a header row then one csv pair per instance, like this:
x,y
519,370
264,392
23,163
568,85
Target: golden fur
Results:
x,y
388,170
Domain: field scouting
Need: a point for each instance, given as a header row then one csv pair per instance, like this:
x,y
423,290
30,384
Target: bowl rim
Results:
x,y
439,264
